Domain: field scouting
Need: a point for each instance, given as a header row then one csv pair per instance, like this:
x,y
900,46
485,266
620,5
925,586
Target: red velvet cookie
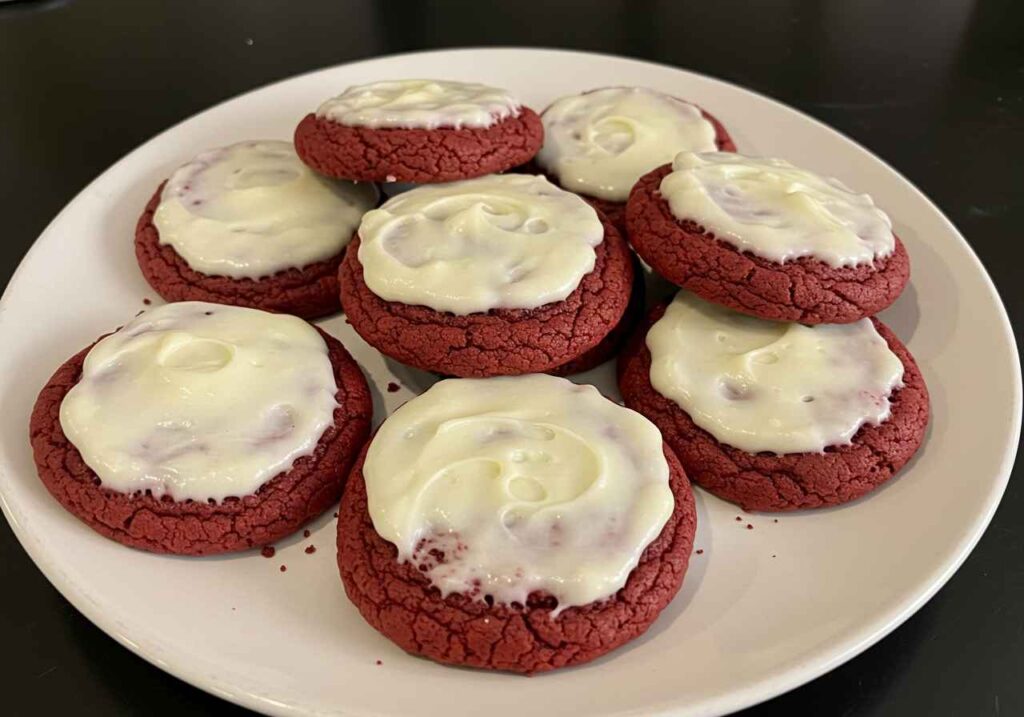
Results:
x,y
309,292
803,290
501,341
417,155
616,211
278,508
399,601
770,482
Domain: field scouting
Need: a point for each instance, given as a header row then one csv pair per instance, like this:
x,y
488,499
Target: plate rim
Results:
x,y
764,689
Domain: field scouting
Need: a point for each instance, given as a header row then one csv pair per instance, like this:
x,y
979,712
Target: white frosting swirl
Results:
x,y
762,385
252,209
777,211
526,483
600,143
200,401
420,104
509,241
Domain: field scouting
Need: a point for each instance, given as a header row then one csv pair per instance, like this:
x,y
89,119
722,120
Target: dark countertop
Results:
x,y
934,88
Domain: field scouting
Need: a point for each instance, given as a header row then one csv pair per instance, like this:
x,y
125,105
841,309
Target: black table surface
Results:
x,y
934,88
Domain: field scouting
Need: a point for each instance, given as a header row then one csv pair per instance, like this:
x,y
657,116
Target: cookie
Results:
x,y
482,339
193,526
249,225
599,143
418,131
804,289
474,628
765,481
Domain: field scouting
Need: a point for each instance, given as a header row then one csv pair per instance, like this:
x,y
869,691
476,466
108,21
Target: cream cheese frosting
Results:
x,y
777,211
526,483
511,241
600,143
253,209
200,401
420,104
769,386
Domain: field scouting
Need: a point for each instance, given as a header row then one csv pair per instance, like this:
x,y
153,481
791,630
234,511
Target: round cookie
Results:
x,y
771,482
309,292
420,141
803,290
533,633
615,209
498,275
279,507
500,341
264,232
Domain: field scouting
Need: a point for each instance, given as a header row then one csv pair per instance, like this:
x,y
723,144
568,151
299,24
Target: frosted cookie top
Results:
x,y
777,211
600,143
763,385
511,241
200,401
253,209
420,104
525,483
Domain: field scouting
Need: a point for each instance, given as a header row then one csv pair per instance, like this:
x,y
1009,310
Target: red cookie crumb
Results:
x,y
770,482
310,549
398,600
804,290
616,211
268,551
305,533
417,155
162,525
147,302
284,568
498,342
309,292
393,387
749,526
699,551
379,662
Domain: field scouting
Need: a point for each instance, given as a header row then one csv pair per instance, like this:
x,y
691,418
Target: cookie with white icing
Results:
x,y
599,143
250,225
776,416
766,238
517,523
500,275
201,428
421,131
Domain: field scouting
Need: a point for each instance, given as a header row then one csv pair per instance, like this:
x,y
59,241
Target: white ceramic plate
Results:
x,y
761,610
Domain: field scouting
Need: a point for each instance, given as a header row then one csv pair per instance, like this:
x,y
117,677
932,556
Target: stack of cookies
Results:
x,y
507,518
